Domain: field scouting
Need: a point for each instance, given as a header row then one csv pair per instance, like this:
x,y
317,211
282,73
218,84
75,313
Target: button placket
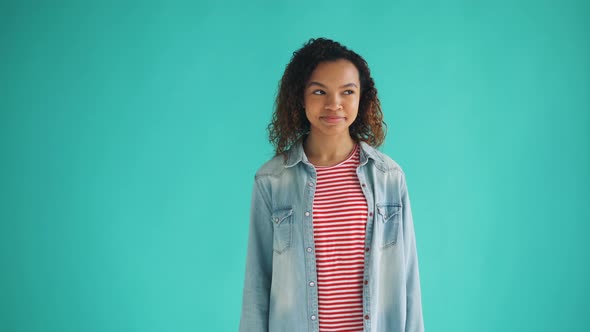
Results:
x,y
312,290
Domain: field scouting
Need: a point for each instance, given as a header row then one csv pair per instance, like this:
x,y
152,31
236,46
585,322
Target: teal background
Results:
x,y
130,134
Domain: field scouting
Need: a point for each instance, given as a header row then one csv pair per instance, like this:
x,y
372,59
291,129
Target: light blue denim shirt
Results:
x,y
280,293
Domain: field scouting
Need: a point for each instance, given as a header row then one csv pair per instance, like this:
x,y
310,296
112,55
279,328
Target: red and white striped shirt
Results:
x,y
339,219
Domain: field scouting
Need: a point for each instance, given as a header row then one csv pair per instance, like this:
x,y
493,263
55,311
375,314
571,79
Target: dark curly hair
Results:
x,y
289,122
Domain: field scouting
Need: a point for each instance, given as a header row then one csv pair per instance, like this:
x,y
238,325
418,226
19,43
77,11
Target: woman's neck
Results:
x,y
327,150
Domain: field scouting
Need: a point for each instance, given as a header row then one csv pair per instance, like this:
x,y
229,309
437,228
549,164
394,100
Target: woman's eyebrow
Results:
x,y
349,85
322,85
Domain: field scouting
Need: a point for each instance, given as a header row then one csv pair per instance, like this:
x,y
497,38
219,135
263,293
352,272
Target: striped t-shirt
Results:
x,y
339,219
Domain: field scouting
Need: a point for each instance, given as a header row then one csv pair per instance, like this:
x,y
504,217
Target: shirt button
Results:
x,y
307,214
364,185
366,282
370,214
367,249
308,249
311,284
366,316
312,317
310,184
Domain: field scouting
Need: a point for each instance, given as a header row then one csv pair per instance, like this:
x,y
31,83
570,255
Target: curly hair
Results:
x,y
289,122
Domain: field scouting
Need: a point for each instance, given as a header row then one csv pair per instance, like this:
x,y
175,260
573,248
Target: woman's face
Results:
x,y
332,97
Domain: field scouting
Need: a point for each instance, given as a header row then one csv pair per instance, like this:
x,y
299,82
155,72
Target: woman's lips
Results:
x,y
332,119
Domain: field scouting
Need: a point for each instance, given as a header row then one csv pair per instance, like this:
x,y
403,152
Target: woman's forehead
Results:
x,y
335,72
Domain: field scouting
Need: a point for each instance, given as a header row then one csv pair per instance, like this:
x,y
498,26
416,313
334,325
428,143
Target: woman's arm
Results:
x,y
255,301
414,320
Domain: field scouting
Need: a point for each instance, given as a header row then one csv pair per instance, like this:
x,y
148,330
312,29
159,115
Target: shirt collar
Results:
x,y
296,154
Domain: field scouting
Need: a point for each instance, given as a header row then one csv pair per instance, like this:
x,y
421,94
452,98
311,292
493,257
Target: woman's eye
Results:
x,y
348,92
318,92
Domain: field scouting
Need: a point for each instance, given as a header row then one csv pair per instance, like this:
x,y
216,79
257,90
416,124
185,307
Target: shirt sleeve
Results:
x,y
257,281
414,319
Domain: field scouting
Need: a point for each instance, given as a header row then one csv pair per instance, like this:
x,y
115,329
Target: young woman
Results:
x,y
331,244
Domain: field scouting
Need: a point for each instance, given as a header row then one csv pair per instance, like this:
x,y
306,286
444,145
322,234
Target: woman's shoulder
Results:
x,y
282,162
382,160
273,167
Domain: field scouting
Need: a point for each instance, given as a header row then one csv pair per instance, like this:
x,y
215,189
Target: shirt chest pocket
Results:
x,y
282,220
388,220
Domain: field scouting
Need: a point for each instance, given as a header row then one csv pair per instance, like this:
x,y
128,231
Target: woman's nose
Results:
x,y
333,103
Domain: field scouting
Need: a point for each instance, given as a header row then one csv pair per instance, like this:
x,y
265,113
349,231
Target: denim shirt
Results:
x,y
280,293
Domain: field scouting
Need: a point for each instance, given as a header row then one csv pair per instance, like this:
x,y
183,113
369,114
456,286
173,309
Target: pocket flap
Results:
x,y
281,214
388,210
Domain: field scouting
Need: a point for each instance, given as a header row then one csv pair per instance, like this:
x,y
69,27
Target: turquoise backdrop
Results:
x,y
130,133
